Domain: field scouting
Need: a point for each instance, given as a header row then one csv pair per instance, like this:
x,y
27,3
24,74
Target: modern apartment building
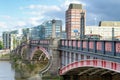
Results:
x,y
75,21
11,39
6,40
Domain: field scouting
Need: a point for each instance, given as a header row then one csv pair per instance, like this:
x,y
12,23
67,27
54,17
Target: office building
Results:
x,y
75,21
47,29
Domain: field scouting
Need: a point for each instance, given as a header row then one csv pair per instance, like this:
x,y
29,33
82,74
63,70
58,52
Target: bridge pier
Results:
x,y
54,69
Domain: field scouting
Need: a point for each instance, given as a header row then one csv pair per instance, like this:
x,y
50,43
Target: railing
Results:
x,y
111,48
40,42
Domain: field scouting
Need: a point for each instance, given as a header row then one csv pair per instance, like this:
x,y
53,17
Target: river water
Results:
x,y
6,71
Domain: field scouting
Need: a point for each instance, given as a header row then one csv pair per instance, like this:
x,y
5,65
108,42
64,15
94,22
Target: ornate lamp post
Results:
x,y
53,29
82,26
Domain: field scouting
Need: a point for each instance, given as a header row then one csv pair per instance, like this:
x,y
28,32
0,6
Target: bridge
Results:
x,y
77,59
90,59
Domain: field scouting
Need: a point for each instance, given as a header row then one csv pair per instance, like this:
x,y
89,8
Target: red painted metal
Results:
x,y
42,49
108,46
66,43
91,44
62,43
79,43
99,45
74,43
84,44
117,47
114,66
70,43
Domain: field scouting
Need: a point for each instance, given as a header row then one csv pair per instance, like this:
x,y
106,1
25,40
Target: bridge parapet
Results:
x,y
41,42
98,47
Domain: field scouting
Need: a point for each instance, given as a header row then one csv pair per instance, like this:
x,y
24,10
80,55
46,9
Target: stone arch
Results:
x,y
95,63
24,51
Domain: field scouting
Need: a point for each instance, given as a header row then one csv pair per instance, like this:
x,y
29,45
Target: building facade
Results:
x,y
106,32
11,39
47,29
6,39
75,21
109,23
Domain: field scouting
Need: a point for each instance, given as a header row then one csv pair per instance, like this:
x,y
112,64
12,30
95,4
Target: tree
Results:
x,y
1,45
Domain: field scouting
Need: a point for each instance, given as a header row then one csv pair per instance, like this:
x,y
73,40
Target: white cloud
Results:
x,y
35,20
5,16
40,13
3,25
42,8
21,23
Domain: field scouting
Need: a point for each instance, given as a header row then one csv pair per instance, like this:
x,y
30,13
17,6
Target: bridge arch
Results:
x,y
24,51
44,51
91,64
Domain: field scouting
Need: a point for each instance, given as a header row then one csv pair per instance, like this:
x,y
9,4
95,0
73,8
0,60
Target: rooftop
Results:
x,y
110,23
75,6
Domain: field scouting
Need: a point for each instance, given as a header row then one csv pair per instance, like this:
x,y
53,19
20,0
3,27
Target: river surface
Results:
x,y
6,71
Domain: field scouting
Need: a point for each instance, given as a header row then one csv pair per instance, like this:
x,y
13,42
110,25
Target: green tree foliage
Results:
x,y
1,45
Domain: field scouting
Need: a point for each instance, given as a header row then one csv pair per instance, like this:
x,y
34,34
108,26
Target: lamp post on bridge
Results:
x,y
82,25
53,29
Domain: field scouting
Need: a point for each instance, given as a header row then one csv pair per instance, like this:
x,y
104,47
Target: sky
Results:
x,y
16,14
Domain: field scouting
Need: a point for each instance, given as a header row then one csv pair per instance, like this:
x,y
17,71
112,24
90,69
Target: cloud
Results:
x,y
40,13
42,7
3,25
103,10
5,16
21,23
96,10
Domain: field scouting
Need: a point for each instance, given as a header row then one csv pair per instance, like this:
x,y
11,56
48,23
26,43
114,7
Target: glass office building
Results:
x,y
47,29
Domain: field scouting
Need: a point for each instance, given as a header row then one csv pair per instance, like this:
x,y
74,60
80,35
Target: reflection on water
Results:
x,y
6,72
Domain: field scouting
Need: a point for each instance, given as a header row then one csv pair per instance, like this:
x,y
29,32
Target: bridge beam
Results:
x,y
97,71
41,56
85,71
105,72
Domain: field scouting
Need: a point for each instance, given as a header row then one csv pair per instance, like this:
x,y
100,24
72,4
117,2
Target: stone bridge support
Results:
x,y
54,53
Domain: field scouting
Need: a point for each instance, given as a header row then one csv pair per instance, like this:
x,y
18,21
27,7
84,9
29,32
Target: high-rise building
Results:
x,y
6,40
75,21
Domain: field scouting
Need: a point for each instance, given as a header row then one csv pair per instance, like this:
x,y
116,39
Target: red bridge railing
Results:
x,y
105,47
